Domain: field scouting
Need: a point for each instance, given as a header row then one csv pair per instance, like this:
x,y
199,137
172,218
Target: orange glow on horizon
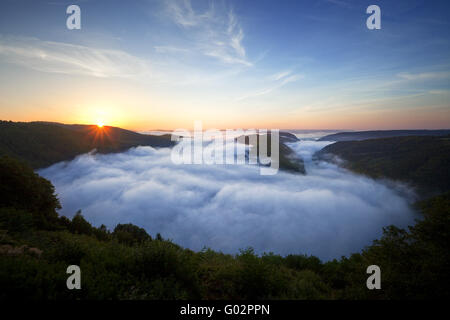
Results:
x,y
388,119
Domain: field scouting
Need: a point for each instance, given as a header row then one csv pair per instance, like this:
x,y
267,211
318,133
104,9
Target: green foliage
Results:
x,y
415,264
101,233
25,277
15,221
130,234
128,264
303,262
435,228
23,189
80,225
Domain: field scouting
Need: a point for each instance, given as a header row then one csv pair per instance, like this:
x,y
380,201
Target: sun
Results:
x,y
100,124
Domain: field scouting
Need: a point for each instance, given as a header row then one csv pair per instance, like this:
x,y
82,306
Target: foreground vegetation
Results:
x,y
37,245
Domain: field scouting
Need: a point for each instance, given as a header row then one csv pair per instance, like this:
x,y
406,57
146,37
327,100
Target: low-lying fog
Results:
x,y
330,212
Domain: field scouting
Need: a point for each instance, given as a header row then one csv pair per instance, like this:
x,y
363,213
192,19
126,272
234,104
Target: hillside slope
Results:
x,y
41,144
365,135
423,162
288,160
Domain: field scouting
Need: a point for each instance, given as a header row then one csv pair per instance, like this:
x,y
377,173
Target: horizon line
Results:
x,y
224,129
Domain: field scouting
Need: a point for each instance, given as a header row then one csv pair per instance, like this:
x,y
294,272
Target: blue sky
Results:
x,y
268,64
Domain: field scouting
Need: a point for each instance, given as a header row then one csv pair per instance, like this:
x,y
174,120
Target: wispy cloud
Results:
x,y
340,3
59,57
424,75
185,16
280,75
278,80
78,60
440,92
170,49
215,33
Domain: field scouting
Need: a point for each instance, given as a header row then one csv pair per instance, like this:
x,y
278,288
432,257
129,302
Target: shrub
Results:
x,y
15,220
130,234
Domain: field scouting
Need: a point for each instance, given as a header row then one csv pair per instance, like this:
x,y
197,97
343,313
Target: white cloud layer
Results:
x,y
329,212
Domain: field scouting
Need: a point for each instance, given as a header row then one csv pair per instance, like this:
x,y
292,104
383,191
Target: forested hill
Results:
x,y
288,160
41,144
364,135
423,161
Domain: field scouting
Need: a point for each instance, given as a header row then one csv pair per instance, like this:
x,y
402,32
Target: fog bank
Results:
x,y
330,212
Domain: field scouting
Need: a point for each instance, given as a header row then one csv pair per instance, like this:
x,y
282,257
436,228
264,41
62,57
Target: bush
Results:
x,y
130,234
80,225
25,190
15,221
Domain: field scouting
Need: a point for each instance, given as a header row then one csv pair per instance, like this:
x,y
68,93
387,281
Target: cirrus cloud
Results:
x,y
214,32
72,59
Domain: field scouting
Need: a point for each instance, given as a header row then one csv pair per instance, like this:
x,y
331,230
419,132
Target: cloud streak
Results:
x,y
340,3
214,33
278,80
329,212
65,58
424,76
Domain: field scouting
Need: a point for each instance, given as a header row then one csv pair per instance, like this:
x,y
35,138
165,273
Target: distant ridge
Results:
x,y
421,161
41,144
365,135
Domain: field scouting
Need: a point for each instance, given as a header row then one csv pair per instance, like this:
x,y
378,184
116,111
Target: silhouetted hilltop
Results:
x,y
289,161
41,144
364,135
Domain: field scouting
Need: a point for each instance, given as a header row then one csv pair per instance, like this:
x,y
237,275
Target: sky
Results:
x,y
152,65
